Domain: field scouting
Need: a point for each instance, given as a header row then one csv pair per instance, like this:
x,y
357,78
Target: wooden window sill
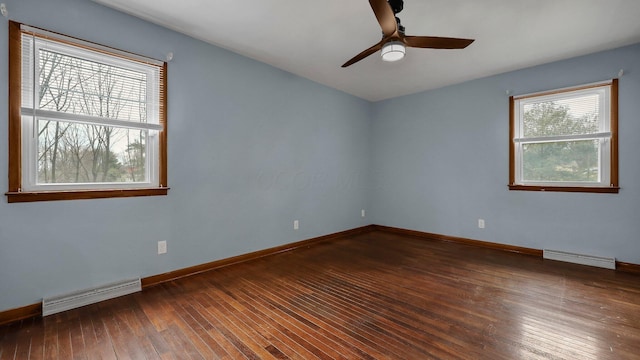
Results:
x,y
585,189
14,196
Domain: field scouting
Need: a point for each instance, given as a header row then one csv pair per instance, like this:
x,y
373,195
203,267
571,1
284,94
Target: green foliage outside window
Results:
x,y
575,160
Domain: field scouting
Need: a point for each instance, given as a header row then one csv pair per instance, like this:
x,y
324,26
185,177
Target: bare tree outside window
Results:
x,y
74,152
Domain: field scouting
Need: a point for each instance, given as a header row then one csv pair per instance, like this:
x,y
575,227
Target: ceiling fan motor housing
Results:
x,y
396,5
400,27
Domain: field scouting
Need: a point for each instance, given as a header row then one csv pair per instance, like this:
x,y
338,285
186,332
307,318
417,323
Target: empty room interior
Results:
x,y
271,180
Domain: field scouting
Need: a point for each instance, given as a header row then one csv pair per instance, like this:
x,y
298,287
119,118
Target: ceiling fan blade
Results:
x,y
434,42
386,17
363,54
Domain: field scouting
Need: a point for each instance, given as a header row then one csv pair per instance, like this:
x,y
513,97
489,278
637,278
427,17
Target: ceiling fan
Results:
x,y
394,40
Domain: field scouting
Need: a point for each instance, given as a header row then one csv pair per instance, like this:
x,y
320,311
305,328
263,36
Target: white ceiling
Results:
x,y
319,36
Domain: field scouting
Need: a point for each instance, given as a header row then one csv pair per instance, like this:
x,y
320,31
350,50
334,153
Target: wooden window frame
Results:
x,y
15,193
613,143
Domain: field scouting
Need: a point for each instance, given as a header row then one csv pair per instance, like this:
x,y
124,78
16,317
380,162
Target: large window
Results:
x,y
565,140
85,121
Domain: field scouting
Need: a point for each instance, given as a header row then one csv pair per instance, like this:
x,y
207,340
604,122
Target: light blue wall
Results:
x,y
251,148
440,162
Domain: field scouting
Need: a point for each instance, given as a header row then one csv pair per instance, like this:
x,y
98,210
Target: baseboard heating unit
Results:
x,y
77,299
607,263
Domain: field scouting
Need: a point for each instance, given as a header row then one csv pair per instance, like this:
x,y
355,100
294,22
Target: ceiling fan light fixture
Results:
x,y
393,51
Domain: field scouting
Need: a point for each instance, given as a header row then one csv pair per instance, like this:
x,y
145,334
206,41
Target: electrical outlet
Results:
x,y
162,247
481,223
362,213
296,224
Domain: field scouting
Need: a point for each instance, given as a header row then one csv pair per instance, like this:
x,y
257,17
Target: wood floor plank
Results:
x,y
10,341
77,339
304,307
199,338
217,336
201,327
245,312
64,336
375,295
291,328
399,325
344,299
23,339
51,338
149,331
274,329
104,345
233,311
249,342
127,318
36,348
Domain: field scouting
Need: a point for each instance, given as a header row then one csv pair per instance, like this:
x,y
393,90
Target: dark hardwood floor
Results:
x,y
372,296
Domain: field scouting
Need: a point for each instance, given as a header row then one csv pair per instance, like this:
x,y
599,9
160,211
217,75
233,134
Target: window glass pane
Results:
x,y
573,116
79,86
572,161
85,153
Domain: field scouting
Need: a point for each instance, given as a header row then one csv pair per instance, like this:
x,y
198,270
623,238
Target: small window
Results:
x,y
565,140
85,121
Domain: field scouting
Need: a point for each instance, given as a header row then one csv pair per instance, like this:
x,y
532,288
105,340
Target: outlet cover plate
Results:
x,y
162,247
